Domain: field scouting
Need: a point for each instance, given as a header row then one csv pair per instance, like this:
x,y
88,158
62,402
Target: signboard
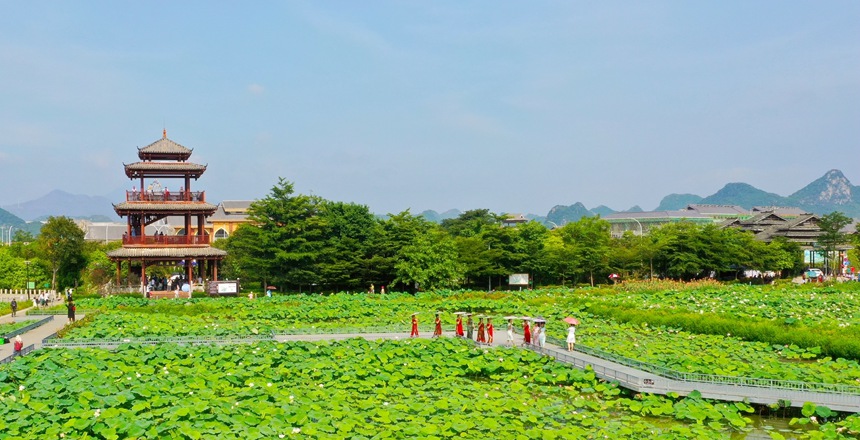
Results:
x,y
223,288
518,279
31,285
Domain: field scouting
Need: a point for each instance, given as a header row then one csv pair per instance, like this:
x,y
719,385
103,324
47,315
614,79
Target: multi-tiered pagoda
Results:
x,y
164,176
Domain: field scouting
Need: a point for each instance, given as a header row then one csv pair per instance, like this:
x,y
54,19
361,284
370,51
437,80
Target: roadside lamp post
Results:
x,y
27,263
640,226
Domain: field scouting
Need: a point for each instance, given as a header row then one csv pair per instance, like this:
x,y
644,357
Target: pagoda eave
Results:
x,y
164,156
164,170
166,253
168,208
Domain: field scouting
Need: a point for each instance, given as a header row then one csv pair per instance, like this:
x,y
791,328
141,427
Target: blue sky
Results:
x,y
510,106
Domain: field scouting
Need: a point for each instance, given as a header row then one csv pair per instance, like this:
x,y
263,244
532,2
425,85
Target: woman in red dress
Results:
x,y
414,333
459,330
527,335
481,338
489,330
437,332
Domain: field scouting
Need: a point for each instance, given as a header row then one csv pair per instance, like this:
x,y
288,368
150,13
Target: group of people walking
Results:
x,y
486,332
534,334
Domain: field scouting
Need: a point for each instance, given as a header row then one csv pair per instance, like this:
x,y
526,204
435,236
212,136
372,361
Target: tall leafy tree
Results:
x,y
529,249
61,245
429,262
590,239
389,238
348,229
559,257
471,223
282,241
832,237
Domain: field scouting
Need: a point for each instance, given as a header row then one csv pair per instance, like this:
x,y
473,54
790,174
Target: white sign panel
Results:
x,y
227,288
519,279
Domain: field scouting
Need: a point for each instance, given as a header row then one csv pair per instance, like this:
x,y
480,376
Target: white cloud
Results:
x,y
256,89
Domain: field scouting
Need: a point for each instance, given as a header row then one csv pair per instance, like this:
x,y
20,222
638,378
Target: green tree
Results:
x,y
529,249
680,250
590,239
348,229
61,245
282,241
629,255
390,236
429,262
471,223
559,258
99,270
832,237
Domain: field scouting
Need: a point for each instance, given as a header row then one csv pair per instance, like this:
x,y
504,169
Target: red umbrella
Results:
x,y
571,320
272,288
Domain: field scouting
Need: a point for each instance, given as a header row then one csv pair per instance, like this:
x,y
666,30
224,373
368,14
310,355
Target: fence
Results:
x,y
8,294
27,328
53,341
713,378
24,351
357,330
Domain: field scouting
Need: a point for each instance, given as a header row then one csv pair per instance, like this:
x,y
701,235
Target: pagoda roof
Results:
x,y
166,252
164,169
177,208
164,149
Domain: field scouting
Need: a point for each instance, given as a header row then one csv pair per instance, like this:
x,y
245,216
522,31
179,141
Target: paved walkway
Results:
x,y
36,335
631,378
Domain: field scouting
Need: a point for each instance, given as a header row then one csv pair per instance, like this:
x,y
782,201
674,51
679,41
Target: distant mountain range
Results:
x,y
831,192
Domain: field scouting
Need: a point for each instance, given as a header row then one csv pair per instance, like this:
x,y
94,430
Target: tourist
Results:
x,y
437,332
414,333
490,330
18,346
527,335
536,332
470,326
372,289
70,306
481,338
511,331
382,290
542,335
459,329
571,337
14,306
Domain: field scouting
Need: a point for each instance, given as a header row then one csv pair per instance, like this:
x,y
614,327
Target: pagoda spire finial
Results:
x,y
164,133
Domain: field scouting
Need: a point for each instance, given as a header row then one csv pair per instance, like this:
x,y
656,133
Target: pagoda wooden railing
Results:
x,y
155,240
165,196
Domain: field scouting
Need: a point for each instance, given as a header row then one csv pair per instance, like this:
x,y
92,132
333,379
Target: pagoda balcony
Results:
x,y
168,240
165,196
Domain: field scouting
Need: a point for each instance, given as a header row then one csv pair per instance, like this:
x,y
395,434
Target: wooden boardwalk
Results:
x,y
645,382
759,391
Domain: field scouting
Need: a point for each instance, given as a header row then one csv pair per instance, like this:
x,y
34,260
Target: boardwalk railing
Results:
x,y
712,378
23,352
428,330
53,341
25,329
57,312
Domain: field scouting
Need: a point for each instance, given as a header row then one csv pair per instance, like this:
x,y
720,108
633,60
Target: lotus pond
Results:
x,y
413,389
672,347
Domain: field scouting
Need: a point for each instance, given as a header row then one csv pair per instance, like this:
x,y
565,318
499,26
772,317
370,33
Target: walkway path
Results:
x,y
628,377
36,335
